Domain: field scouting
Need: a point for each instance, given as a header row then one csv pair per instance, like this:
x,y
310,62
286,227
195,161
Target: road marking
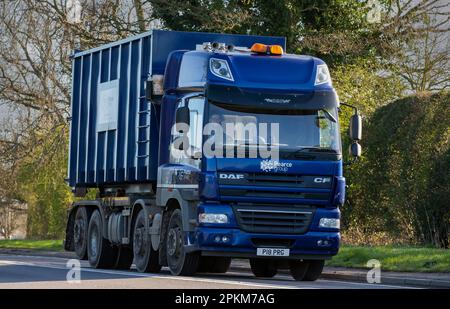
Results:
x,y
283,285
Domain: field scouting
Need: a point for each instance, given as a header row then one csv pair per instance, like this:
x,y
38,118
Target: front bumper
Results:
x,y
243,244
315,243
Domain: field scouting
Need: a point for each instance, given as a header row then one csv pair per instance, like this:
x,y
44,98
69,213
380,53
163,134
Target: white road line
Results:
x,y
170,277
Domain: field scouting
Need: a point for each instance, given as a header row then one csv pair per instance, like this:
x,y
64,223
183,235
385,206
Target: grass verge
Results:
x,y
48,245
393,258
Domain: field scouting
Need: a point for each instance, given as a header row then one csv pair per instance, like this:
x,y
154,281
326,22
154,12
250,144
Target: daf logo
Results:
x,y
277,101
322,179
231,176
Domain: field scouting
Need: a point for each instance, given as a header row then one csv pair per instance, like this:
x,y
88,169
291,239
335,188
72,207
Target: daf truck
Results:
x,y
200,148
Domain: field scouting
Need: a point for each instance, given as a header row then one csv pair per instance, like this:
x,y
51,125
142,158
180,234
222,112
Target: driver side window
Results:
x,y
191,153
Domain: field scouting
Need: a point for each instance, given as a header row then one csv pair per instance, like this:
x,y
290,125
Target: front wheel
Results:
x,y
180,262
315,269
298,269
215,265
263,268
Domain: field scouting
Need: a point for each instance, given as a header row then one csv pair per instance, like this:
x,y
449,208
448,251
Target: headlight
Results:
x,y
220,68
330,223
212,218
322,75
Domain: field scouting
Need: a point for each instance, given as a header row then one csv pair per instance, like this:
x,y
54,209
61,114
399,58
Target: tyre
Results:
x,y
124,258
263,268
145,258
216,265
314,271
101,253
80,233
298,269
179,261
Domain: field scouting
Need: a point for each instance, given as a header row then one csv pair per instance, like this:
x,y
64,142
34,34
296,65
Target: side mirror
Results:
x,y
355,127
154,87
355,150
183,116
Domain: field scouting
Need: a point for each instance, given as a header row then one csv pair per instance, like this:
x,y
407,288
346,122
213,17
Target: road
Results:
x,y
19,271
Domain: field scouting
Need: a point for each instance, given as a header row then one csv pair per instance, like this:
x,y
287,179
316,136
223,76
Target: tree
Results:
x,y
415,43
37,39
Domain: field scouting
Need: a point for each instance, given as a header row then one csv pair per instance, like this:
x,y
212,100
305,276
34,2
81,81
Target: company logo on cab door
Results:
x,y
275,166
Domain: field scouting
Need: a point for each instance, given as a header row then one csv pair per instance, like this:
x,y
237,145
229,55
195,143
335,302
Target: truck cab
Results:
x,y
249,165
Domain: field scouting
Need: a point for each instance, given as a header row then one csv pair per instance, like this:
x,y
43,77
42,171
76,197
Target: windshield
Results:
x,y
299,131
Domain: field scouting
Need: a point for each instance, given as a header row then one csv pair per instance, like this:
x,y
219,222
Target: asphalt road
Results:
x,y
18,271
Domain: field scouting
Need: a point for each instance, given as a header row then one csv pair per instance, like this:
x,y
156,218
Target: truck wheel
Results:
x,y
180,262
101,254
145,258
314,271
298,269
263,268
124,258
80,233
216,265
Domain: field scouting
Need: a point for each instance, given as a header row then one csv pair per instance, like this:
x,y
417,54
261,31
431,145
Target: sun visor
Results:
x,y
261,99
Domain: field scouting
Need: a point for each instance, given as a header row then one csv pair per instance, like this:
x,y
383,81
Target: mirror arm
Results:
x,y
351,162
351,106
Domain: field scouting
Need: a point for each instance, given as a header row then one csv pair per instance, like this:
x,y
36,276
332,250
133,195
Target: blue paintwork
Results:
x,y
287,73
305,244
117,157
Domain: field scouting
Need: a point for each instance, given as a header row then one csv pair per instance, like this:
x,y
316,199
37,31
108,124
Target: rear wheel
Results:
x,y
145,258
298,269
101,253
263,268
314,271
124,258
217,265
180,262
80,233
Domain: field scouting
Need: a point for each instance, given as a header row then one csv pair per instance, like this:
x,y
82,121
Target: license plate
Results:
x,y
272,252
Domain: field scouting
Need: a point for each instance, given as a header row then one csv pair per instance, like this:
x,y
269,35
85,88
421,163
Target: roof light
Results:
x,y
220,68
267,49
276,50
322,75
259,48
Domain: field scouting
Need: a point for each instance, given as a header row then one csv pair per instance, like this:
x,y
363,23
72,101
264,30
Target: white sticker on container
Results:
x,y
107,106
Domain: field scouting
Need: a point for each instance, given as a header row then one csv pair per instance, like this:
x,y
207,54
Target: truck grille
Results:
x,y
283,187
275,180
274,219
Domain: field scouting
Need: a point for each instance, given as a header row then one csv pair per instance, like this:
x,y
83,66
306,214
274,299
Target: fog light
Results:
x,y
212,218
331,223
323,243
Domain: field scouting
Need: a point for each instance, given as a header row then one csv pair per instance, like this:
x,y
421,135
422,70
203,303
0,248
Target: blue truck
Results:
x,y
268,188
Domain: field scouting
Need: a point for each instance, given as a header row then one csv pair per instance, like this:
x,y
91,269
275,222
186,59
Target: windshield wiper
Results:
x,y
309,153
262,144
328,115
316,149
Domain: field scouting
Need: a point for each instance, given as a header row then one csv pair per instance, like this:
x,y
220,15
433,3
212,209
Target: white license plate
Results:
x,y
272,252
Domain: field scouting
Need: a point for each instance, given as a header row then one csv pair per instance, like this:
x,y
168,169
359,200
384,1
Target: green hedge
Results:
x,y
400,191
